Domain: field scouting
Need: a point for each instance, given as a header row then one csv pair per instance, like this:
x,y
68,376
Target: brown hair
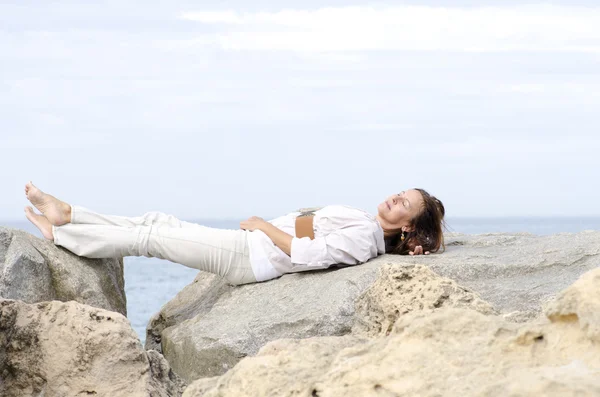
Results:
x,y
427,228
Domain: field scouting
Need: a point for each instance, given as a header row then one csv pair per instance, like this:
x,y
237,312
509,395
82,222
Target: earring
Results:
x,y
402,236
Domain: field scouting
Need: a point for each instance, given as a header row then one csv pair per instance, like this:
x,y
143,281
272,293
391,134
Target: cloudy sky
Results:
x,y
237,109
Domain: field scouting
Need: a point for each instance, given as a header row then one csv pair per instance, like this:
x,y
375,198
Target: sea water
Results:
x,y
151,282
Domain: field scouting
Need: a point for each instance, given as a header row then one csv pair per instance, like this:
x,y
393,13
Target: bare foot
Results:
x,y
40,222
56,212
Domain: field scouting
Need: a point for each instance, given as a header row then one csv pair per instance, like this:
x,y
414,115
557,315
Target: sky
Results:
x,y
237,109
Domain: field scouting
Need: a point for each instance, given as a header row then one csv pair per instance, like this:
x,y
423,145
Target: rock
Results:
x,y
70,349
580,303
317,355
246,317
447,351
24,272
213,326
517,271
36,270
399,290
163,378
201,386
519,316
195,299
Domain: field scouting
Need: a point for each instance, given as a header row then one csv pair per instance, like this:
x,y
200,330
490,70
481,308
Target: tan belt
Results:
x,y
304,223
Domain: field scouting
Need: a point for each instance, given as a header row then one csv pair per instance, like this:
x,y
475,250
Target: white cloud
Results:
x,y
520,150
374,127
419,28
588,88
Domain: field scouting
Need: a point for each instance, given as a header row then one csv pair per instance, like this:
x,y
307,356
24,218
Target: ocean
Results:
x,y
151,282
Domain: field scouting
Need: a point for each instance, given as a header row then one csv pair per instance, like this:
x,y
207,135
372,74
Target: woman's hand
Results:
x,y
253,223
418,251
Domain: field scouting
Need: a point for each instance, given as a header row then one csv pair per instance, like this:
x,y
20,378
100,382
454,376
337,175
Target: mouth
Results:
x,y
388,205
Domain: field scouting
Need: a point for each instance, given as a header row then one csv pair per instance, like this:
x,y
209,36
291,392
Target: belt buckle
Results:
x,y
309,211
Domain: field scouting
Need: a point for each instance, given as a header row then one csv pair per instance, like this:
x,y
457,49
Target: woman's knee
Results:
x,y
155,217
150,217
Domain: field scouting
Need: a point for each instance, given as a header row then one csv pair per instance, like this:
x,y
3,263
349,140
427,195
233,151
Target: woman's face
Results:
x,y
398,209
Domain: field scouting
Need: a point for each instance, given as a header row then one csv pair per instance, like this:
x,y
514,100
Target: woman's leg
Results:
x,y
86,233
219,251
59,213
81,215
237,271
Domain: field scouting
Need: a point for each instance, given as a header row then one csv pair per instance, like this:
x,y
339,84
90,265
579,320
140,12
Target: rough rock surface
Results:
x,y
399,290
447,351
314,357
210,329
201,386
35,270
70,349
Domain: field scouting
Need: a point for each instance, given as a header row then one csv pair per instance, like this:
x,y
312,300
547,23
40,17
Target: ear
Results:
x,y
408,229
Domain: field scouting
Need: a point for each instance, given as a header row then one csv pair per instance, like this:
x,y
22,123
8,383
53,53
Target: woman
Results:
x,y
406,223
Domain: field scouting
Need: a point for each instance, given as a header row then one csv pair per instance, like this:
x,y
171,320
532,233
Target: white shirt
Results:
x,y
343,235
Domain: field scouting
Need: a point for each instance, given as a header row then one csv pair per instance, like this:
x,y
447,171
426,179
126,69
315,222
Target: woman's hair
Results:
x,y
427,228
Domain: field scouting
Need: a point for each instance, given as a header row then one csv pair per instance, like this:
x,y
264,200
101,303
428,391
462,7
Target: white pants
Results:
x,y
220,251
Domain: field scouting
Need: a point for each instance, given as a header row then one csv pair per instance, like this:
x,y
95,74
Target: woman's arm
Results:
x,y
280,238
284,241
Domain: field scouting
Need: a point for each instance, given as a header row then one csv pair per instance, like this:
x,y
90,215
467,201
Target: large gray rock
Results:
x,y
197,298
214,326
36,270
70,349
520,271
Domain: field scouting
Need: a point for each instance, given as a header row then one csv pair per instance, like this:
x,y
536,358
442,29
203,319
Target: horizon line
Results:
x,y
451,217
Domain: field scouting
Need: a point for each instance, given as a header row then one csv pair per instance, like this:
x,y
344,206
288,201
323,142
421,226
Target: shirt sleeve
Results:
x,y
351,245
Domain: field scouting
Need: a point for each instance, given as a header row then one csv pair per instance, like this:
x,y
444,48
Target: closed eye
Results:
x,y
405,201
